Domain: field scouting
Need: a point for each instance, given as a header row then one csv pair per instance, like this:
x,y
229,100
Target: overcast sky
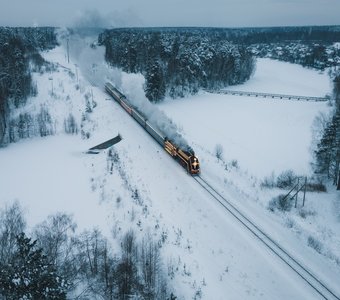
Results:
x,y
220,13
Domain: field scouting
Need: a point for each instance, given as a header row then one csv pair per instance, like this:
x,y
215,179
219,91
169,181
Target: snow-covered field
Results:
x,y
263,135
277,77
213,257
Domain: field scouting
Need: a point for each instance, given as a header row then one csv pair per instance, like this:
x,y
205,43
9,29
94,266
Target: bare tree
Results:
x,y
12,224
44,121
57,237
219,151
70,125
153,279
97,266
127,269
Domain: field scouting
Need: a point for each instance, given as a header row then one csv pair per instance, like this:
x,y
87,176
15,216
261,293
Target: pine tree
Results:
x,y
155,85
28,275
126,272
324,154
337,134
328,152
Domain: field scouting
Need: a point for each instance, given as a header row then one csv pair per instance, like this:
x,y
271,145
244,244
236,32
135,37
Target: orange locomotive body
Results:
x,y
186,159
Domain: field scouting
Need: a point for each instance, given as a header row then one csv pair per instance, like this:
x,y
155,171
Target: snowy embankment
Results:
x,y
206,252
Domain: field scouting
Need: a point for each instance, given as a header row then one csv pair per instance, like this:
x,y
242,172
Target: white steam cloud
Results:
x,y
132,87
94,19
86,55
90,59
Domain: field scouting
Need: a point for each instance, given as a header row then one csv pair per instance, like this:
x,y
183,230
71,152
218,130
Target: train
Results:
x,y
186,158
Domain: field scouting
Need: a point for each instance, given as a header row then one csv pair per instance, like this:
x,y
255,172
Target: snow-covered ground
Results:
x,y
277,77
210,252
263,135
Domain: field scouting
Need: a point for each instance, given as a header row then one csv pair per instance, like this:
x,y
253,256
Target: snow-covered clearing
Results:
x,y
210,253
277,77
263,135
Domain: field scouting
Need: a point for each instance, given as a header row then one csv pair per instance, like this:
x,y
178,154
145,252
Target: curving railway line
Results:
x,y
310,279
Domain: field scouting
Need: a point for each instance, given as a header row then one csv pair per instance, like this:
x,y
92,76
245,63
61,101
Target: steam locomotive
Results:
x,y
186,158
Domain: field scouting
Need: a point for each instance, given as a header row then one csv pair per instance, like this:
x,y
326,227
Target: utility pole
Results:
x,y
77,72
304,192
297,192
337,162
51,78
68,52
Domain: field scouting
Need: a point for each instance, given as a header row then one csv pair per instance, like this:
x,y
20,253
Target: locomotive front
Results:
x,y
194,165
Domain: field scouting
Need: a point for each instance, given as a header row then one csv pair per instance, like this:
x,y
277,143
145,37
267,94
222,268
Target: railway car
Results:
x,y
159,137
185,158
117,95
139,118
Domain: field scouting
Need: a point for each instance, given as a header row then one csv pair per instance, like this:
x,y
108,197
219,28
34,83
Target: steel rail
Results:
x,y
278,250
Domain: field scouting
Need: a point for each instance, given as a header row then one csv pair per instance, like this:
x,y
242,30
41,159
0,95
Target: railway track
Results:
x,y
310,279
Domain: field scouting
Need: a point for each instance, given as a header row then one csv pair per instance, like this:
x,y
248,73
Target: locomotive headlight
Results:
x,y
195,163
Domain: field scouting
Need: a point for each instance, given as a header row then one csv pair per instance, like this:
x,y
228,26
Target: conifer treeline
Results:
x,y
177,63
19,47
328,151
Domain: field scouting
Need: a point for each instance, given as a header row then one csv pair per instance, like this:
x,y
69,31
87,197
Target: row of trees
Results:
x,y
56,263
328,149
180,61
255,35
177,63
268,35
19,49
316,55
30,125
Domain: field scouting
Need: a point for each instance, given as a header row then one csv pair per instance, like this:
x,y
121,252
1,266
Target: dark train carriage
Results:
x,y
137,116
155,134
117,95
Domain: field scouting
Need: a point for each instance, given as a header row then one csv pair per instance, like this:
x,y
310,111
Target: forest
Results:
x,y
55,262
19,51
177,62
328,149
